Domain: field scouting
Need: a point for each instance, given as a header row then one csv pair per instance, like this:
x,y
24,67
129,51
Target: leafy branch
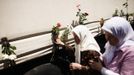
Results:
x,y
6,47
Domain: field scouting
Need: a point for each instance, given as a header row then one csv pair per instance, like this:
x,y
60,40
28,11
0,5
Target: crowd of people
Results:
x,y
118,58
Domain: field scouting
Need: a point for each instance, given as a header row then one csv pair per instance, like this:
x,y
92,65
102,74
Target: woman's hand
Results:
x,y
75,66
95,65
59,42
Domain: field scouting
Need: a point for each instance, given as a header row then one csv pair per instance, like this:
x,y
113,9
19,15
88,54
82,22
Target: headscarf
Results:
x,y
87,41
120,28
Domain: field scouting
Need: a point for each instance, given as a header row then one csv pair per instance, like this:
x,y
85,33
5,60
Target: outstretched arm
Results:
x,y
77,66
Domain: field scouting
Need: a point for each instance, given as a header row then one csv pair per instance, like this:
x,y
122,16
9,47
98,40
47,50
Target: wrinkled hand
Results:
x,y
75,66
95,65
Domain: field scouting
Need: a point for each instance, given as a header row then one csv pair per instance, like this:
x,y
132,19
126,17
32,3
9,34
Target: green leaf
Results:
x,y
13,47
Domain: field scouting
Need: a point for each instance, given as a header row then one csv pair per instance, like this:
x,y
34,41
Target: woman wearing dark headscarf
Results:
x,y
119,55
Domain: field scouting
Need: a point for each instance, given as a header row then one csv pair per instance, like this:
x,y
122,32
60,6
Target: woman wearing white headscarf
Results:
x,y
119,55
84,42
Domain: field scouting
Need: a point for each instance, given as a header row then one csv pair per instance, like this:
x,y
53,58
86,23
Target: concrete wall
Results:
x,y
22,17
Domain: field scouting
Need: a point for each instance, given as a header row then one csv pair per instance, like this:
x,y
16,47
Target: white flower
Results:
x,y
5,56
12,56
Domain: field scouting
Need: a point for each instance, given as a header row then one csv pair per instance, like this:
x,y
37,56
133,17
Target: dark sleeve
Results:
x,y
70,53
65,53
